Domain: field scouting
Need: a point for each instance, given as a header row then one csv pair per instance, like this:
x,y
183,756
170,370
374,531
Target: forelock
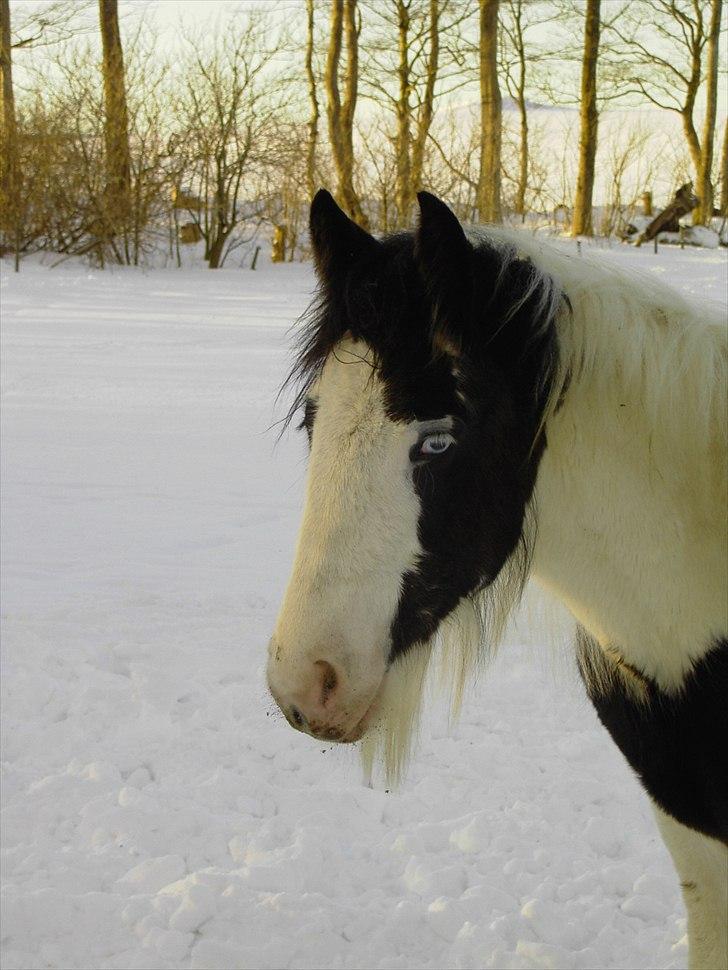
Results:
x,y
380,301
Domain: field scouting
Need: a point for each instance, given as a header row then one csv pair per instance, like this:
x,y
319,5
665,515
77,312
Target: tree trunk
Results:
x,y
341,114
704,212
215,254
220,229
523,150
724,174
582,221
9,181
489,178
403,191
517,89
118,166
424,119
313,122
691,92
278,245
522,162
351,42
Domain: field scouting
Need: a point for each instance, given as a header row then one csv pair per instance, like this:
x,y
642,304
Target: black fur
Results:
x,y
456,329
309,416
677,743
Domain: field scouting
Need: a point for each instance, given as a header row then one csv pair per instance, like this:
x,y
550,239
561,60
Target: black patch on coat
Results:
x,y
676,743
456,328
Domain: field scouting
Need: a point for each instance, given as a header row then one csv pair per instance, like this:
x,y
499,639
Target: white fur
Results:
x,y
631,490
702,864
357,539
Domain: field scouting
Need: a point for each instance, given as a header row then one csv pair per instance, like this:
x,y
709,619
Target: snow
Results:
x,y
158,813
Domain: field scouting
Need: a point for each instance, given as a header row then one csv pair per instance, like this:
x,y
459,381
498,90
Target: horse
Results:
x,y
482,408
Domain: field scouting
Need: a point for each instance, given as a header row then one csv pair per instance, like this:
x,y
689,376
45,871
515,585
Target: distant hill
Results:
x,y
508,104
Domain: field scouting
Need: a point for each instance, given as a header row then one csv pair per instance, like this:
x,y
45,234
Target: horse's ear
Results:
x,y
444,257
337,241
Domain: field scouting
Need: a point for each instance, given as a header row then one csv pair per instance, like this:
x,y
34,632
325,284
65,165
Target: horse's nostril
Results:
x,y
329,680
297,718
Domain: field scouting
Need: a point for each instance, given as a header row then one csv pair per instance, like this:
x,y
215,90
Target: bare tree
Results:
x,y
410,145
9,182
724,173
377,163
224,131
340,111
582,219
414,53
517,55
427,104
704,212
313,98
512,27
27,153
489,177
62,147
148,100
70,126
657,50
52,23
404,188
457,162
402,154
116,123
631,156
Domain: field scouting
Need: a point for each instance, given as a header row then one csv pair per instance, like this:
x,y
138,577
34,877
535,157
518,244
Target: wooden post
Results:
x,y
278,245
178,254
668,220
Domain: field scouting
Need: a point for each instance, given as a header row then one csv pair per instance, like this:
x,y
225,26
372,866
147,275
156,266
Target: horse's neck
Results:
x,y
630,541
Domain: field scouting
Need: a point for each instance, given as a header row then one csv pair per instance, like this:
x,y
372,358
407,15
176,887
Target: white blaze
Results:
x,y
357,539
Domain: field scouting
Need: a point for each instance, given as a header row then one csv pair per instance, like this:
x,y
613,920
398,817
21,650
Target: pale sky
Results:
x,y
167,15
204,14
171,17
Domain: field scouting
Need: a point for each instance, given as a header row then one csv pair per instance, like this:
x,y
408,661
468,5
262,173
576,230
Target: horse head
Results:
x,y
421,383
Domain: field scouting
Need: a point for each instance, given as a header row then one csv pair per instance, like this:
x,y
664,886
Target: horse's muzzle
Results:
x,y
317,699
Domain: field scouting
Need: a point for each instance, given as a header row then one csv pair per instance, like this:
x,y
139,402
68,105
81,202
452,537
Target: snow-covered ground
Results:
x,y
157,812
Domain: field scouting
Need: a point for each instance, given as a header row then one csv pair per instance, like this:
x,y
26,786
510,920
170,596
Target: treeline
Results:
x,y
120,150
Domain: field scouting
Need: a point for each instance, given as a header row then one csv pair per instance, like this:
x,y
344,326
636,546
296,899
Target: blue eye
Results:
x,y
436,444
